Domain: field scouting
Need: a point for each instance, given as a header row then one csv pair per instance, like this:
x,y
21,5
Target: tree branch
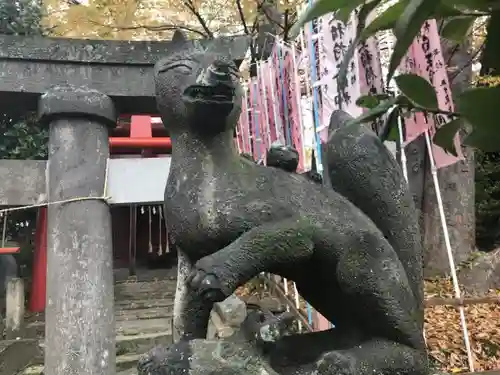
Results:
x,y
189,4
261,7
254,26
286,28
242,17
471,61
457,45
247,32
162,27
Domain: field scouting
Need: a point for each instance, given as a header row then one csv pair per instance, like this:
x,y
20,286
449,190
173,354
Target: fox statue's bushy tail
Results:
x,y
358,166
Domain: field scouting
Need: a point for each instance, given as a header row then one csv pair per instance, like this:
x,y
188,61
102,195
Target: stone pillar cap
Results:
x,y
72,101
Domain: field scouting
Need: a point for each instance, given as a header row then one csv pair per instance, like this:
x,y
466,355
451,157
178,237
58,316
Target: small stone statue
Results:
x,y
8,271
287,158
284,157
352,248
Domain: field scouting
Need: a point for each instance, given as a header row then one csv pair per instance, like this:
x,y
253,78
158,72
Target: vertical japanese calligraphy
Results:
x,y
364,74
429,63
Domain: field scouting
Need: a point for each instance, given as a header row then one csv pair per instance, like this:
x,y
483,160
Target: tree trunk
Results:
x,y
456,184
269,19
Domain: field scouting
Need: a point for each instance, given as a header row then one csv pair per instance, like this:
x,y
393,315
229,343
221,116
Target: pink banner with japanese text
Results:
x,y
273,106
364,73
425,58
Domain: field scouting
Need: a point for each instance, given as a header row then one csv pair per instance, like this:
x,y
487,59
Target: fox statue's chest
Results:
x,y
202,211
198,211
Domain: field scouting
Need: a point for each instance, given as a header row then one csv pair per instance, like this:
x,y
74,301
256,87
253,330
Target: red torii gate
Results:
x,y
140,137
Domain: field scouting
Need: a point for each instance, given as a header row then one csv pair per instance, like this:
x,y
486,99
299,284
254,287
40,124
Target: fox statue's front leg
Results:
x,y
191,313
367,270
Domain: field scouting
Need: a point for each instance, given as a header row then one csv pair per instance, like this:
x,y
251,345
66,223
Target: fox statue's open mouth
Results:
x,y
218,94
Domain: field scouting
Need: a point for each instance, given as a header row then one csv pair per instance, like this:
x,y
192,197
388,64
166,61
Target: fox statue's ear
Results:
x,y
179,36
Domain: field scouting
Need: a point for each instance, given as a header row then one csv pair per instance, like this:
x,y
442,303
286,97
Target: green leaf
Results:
x,y
418,90
375,112
446,11
363,14
490,56
343,14
445,135
367,101
386,20
457,29
479,106
371,101
479,5
318,9
483,140
407,27
391,128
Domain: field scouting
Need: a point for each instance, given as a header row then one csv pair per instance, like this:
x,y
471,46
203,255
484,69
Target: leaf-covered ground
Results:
x,y
443,331
445,340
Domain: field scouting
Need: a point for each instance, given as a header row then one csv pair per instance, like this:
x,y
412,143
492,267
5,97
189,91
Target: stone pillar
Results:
x,y
14,314
80,321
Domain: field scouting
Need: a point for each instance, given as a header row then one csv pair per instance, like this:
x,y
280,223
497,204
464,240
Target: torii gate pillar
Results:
x,y
80,322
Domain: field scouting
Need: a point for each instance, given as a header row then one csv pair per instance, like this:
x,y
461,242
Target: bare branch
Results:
x,y
162,27
253,52
254,26
261,7
471,61
242,17
189,4
286,27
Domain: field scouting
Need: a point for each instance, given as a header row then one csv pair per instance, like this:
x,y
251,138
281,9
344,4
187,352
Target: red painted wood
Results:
x,y
140,127
38,286
9,250
143,142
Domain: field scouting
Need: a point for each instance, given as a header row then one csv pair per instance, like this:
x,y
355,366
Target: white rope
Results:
x,y
160,245
245,98
102,197
297,303
4,230
263,98
309,89
132,212
150,250
402,149
238,135
299,99
277,120
451,260
167,245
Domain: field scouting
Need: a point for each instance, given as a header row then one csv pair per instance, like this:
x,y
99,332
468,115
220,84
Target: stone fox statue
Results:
x,y
352,248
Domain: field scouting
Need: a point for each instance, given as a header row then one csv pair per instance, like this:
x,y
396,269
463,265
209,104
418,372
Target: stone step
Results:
x,y
143,304
136,327
141,343
147,313
128,348
123,274
163,289
125,365
143,312
126,327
